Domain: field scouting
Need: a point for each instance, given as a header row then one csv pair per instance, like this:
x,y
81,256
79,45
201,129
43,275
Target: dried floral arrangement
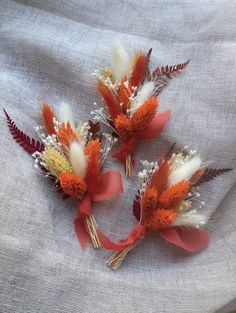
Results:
x,y
72,157
129,90
168,203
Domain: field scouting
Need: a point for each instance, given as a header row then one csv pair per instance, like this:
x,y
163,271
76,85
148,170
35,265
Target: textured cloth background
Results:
x,y
48,50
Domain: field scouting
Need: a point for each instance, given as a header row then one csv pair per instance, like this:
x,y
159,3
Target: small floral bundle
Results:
x,y
168,203
130,92
72,158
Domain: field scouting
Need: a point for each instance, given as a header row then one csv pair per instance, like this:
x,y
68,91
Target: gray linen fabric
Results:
x,y
48,50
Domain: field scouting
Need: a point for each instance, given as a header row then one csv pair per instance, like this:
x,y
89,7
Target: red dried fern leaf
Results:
x,y
211,173
162,75
28,144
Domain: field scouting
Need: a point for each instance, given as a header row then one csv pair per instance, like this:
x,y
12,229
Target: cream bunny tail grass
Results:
x,y
191,219
66,115
78,159
143,94
120,60
184,171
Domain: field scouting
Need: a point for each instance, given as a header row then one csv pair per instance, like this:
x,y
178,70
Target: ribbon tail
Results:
x,y
189,239
136,234
156,126
111,186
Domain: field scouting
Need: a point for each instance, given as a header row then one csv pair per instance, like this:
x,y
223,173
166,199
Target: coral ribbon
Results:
x,y
154,129
189,239
110,186
136,234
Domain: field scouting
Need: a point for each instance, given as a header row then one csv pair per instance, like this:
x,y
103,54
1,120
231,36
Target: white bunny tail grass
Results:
x,y
66,115
185,171
143,94
120,61
78,159
191,219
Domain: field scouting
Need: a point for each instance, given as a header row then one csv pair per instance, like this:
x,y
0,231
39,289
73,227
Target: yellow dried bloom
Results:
x,y
55,161
107,73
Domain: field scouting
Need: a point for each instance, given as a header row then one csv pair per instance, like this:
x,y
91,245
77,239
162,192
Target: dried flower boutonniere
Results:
x,y
129,90
168,203
72,156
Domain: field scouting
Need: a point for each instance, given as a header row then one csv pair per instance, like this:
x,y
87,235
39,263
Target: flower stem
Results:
x,y
117,258
92,231
128,165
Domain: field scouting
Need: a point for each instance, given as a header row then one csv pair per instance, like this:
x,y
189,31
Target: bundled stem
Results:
x,y
92,230
117,258
128,165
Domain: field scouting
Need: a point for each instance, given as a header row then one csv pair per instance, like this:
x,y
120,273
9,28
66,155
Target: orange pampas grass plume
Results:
x,y
113,107
139,68
161,218
144,114
72,185
48,115
149,202
160,177
124,93
92,151
123,126
66,134
172,196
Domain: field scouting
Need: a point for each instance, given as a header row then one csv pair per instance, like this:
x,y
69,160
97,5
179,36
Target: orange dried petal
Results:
x,y
161,218
172,196
123,126
109,98
160,177
66,134
124,93
93,152
72,184
139,68
144,114
149,202
48,115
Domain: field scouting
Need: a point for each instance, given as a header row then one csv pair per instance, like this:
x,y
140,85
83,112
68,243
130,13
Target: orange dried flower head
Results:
x,y
66,134
172,196
123,126
139,68
161,218
72,185
144,114
48,115
149,202
124,93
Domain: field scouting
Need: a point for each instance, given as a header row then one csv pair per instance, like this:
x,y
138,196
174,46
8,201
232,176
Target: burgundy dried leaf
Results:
x,y
212,173
162,75
137,207
94,129
28,144
147,75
